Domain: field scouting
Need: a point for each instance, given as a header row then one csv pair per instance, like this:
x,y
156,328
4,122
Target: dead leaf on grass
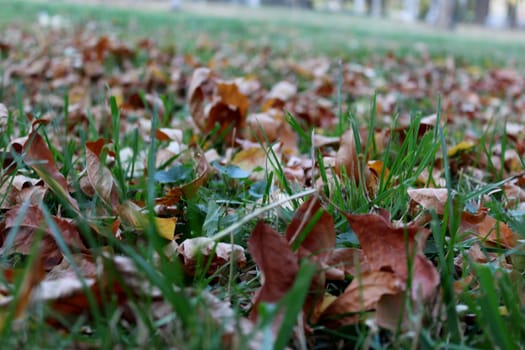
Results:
x,y
201,249
277,263
361,295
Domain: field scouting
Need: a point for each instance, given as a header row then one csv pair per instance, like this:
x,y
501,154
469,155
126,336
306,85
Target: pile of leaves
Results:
x,y
134,176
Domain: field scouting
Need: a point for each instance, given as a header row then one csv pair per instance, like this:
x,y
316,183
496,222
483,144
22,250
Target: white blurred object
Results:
x,y
410,10
54,22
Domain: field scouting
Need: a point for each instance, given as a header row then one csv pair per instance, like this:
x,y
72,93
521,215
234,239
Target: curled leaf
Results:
x,y
201,249
40,159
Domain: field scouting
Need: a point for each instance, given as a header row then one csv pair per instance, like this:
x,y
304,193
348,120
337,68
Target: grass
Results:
x,y
226,207
295,31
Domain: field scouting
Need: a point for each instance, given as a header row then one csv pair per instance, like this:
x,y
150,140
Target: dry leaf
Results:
x,y
32,223
320,240
361,295
201,249
99,176
40,159
388,248
277,263
430,198
489,230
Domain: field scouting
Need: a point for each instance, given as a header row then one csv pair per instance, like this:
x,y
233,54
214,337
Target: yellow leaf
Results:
x,y
463,146
166,227
328,299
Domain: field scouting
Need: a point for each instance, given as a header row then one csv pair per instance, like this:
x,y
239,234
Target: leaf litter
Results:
x,y
239,132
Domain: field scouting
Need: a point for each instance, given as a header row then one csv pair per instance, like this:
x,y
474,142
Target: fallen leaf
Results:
x,y
166,227
40,159
388,248
277,263
312,229
99,176
348,162
201,249
490,230
346,261
430,198
27,231
362,294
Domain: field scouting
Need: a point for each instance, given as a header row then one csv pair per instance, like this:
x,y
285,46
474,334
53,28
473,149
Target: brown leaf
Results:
x,y
200,249
347,161
33,275
490,230
346,261
33,221
271,126
40,159
430,198
320,240
388,248
277,263
361,295
213,102
391,311
99,176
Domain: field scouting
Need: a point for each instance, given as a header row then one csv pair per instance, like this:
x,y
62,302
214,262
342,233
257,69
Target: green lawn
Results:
x,y
294,31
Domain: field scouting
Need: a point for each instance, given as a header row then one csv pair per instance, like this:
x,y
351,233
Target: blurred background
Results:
x,y
441,13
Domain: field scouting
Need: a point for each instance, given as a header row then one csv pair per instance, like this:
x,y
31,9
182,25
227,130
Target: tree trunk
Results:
x,y
512,13
481,11
446,16
376,9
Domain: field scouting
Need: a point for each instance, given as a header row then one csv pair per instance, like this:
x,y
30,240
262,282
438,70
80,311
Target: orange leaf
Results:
x,y
491,231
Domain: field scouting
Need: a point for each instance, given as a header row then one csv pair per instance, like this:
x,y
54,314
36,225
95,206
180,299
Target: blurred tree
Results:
x,y
299,3
411,9
512,13
443,13
376,8
481,11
